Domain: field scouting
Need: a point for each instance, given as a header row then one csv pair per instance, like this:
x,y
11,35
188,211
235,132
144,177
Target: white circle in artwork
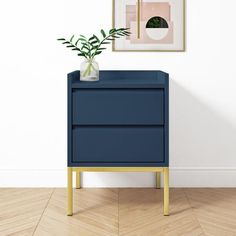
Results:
x,y
157,33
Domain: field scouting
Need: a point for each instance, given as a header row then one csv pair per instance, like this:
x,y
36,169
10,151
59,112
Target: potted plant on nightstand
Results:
x,y
91,47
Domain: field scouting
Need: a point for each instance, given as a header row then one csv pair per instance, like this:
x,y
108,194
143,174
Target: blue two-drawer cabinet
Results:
x,y
119,123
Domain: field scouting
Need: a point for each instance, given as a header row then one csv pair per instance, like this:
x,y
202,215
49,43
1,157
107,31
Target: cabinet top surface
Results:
x,y
110,79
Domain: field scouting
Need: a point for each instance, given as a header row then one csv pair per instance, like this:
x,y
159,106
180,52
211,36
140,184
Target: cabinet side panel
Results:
x,y
166,113
69,121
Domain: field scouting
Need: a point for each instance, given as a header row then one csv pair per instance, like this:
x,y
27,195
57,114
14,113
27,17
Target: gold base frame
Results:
x,y
78,170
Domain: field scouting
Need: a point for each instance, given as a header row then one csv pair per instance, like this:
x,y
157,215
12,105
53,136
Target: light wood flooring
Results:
x,y
113,212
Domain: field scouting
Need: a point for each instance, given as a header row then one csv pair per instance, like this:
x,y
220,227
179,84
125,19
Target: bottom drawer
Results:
x,y
118,144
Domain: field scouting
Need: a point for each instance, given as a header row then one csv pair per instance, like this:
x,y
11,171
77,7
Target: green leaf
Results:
x,y
82,39
75,49
70,46
105,42
61,39
123,29
94,47
93,42
98,52
76,42
72,38
84,52
112,31
82,36
121,34
96,38
81,54
85,43
103,33
66,42
127,33
85,46
90,39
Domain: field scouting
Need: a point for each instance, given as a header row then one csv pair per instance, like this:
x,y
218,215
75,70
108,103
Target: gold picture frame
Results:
x,y
183,42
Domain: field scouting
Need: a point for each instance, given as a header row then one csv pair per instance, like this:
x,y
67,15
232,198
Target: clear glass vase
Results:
x,y
89,70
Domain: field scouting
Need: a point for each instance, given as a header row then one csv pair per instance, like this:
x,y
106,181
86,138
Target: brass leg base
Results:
x,y
69,191
158,179
78,170
166,191
78,186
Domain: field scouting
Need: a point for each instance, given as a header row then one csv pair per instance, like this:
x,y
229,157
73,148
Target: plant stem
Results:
x,y
79,49
89,69
99,45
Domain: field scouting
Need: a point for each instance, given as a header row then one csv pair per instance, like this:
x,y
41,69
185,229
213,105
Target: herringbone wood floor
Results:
x,y
124,212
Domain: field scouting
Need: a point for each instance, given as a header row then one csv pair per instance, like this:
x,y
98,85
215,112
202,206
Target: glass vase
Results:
x,y
89,70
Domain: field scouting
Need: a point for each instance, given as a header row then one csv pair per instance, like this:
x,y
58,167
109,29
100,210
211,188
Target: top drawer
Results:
x,y
118,106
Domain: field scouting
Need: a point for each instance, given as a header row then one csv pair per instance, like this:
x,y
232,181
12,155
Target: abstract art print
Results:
x,y
155,25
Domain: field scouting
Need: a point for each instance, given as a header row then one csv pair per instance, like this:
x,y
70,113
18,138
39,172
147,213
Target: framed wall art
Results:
x,y
155,25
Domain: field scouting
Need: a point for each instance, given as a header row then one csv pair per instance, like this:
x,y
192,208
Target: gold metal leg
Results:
x,y
166,191
69,192
77,179
158,179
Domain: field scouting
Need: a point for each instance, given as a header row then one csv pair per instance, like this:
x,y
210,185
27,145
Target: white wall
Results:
x,y
33,68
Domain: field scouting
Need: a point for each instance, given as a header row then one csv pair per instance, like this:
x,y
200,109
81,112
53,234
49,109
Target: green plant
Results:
x,y
93,46
90,47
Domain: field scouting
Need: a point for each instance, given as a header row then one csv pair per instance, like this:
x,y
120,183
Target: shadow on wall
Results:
x,y
199,136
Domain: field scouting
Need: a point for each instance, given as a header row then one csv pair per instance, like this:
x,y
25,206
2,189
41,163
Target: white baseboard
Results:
x,y
179,177
203,177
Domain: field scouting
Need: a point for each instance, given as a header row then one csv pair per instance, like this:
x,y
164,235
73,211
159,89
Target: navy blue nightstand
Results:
x,y
119,123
